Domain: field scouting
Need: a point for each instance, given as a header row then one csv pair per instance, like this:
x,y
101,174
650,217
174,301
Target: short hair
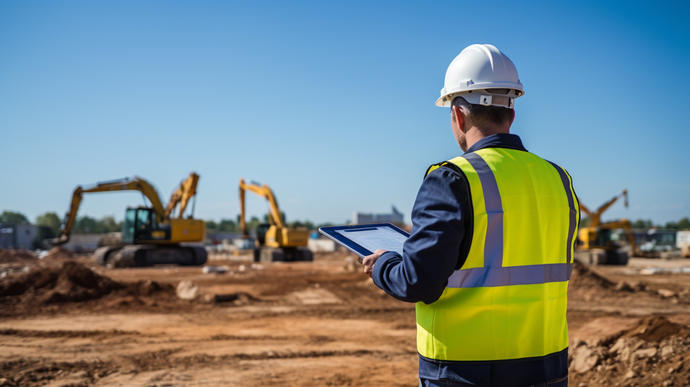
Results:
x,y
484,117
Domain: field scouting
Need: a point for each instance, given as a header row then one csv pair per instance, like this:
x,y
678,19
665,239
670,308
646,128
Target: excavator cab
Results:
x,y
141,225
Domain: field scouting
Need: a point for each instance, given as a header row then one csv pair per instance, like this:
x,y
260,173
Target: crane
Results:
x,y
275,241
149,234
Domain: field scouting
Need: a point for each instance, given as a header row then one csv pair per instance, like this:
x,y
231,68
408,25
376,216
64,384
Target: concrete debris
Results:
x,y
663,270
186,290
215,269
256,266
666,293
644,353
584,359
666,351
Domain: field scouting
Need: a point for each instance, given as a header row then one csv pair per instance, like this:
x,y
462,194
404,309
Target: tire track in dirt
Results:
x,y
63,333
40,370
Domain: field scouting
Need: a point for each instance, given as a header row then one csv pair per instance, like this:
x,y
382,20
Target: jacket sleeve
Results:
x,y
431,253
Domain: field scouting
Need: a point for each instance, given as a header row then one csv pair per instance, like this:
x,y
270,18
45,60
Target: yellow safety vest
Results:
x,y
509,298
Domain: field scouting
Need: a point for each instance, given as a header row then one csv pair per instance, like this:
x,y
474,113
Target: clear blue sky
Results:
x,y
330,103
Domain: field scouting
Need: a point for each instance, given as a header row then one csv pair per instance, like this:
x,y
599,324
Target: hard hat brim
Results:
x,y
447,95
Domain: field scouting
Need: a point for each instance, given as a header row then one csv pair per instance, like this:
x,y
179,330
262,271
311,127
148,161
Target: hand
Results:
x,y
370,260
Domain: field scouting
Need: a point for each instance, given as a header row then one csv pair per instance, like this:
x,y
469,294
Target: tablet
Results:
x,y
364,239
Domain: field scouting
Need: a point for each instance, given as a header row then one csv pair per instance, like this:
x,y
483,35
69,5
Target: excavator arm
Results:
x,y
596,216
586,211
127,184
182,195
265,192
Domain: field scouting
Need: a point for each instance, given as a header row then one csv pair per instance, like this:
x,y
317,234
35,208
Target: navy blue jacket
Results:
x,y
437,246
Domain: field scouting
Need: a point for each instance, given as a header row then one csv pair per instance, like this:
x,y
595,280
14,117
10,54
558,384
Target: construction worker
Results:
x,y
490,253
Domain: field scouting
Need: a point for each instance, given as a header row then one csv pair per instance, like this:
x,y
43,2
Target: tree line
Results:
x,y
645,224
49,224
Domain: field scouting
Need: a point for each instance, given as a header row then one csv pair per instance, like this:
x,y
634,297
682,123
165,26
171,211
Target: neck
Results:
x,y
474,134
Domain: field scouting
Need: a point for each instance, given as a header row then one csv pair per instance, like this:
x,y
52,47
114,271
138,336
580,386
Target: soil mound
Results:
x,y
652,353
585,278
70,283
586,285
656,329
58,252
14,256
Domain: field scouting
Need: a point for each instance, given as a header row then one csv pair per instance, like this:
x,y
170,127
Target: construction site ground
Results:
x,y
299,324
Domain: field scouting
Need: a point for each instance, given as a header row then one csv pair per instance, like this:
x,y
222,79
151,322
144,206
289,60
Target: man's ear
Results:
x,y
459,117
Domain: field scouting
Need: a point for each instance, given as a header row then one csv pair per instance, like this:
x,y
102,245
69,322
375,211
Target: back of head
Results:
x,y
489,119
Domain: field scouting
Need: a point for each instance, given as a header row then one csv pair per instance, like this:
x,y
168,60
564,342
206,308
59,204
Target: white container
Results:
x,y
682,238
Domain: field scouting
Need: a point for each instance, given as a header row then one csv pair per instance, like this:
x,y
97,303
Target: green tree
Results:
x,y
48,227
227,225
305,224
108,224
12,218
85,225
253,223
211,225
642,224
684,223
50,221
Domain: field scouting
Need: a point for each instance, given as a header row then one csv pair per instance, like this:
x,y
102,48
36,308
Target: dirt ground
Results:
x,y
305,324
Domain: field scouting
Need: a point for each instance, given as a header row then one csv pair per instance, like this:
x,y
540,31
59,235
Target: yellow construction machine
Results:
x,y
597,246
274,241
150,235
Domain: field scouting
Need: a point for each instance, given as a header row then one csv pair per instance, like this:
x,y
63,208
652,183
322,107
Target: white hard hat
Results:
x,y
482,75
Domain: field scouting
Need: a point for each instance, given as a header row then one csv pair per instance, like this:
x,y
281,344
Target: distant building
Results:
x,y
395,217
84,243
217,237
21,236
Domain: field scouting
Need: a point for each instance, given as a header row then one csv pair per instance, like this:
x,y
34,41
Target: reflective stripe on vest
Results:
x,y
509,298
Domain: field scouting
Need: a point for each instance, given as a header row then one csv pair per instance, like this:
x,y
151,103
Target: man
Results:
x,y
491,248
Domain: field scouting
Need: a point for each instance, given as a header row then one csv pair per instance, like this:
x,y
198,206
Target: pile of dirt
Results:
x,y
653,352
58,252
59,286
586,285
16,256
69,282
584,277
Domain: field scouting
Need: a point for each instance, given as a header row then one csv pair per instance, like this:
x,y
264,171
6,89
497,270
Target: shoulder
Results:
x,y
559,168
444,179
449,168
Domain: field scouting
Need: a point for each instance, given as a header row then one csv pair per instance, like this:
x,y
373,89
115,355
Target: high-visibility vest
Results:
x,y
508,300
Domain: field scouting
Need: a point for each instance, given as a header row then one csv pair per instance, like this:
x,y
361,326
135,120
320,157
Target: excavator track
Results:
x,y
150,255
273,254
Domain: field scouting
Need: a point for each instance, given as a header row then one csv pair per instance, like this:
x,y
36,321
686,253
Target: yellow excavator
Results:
x,y
150,235
274,241
597,246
